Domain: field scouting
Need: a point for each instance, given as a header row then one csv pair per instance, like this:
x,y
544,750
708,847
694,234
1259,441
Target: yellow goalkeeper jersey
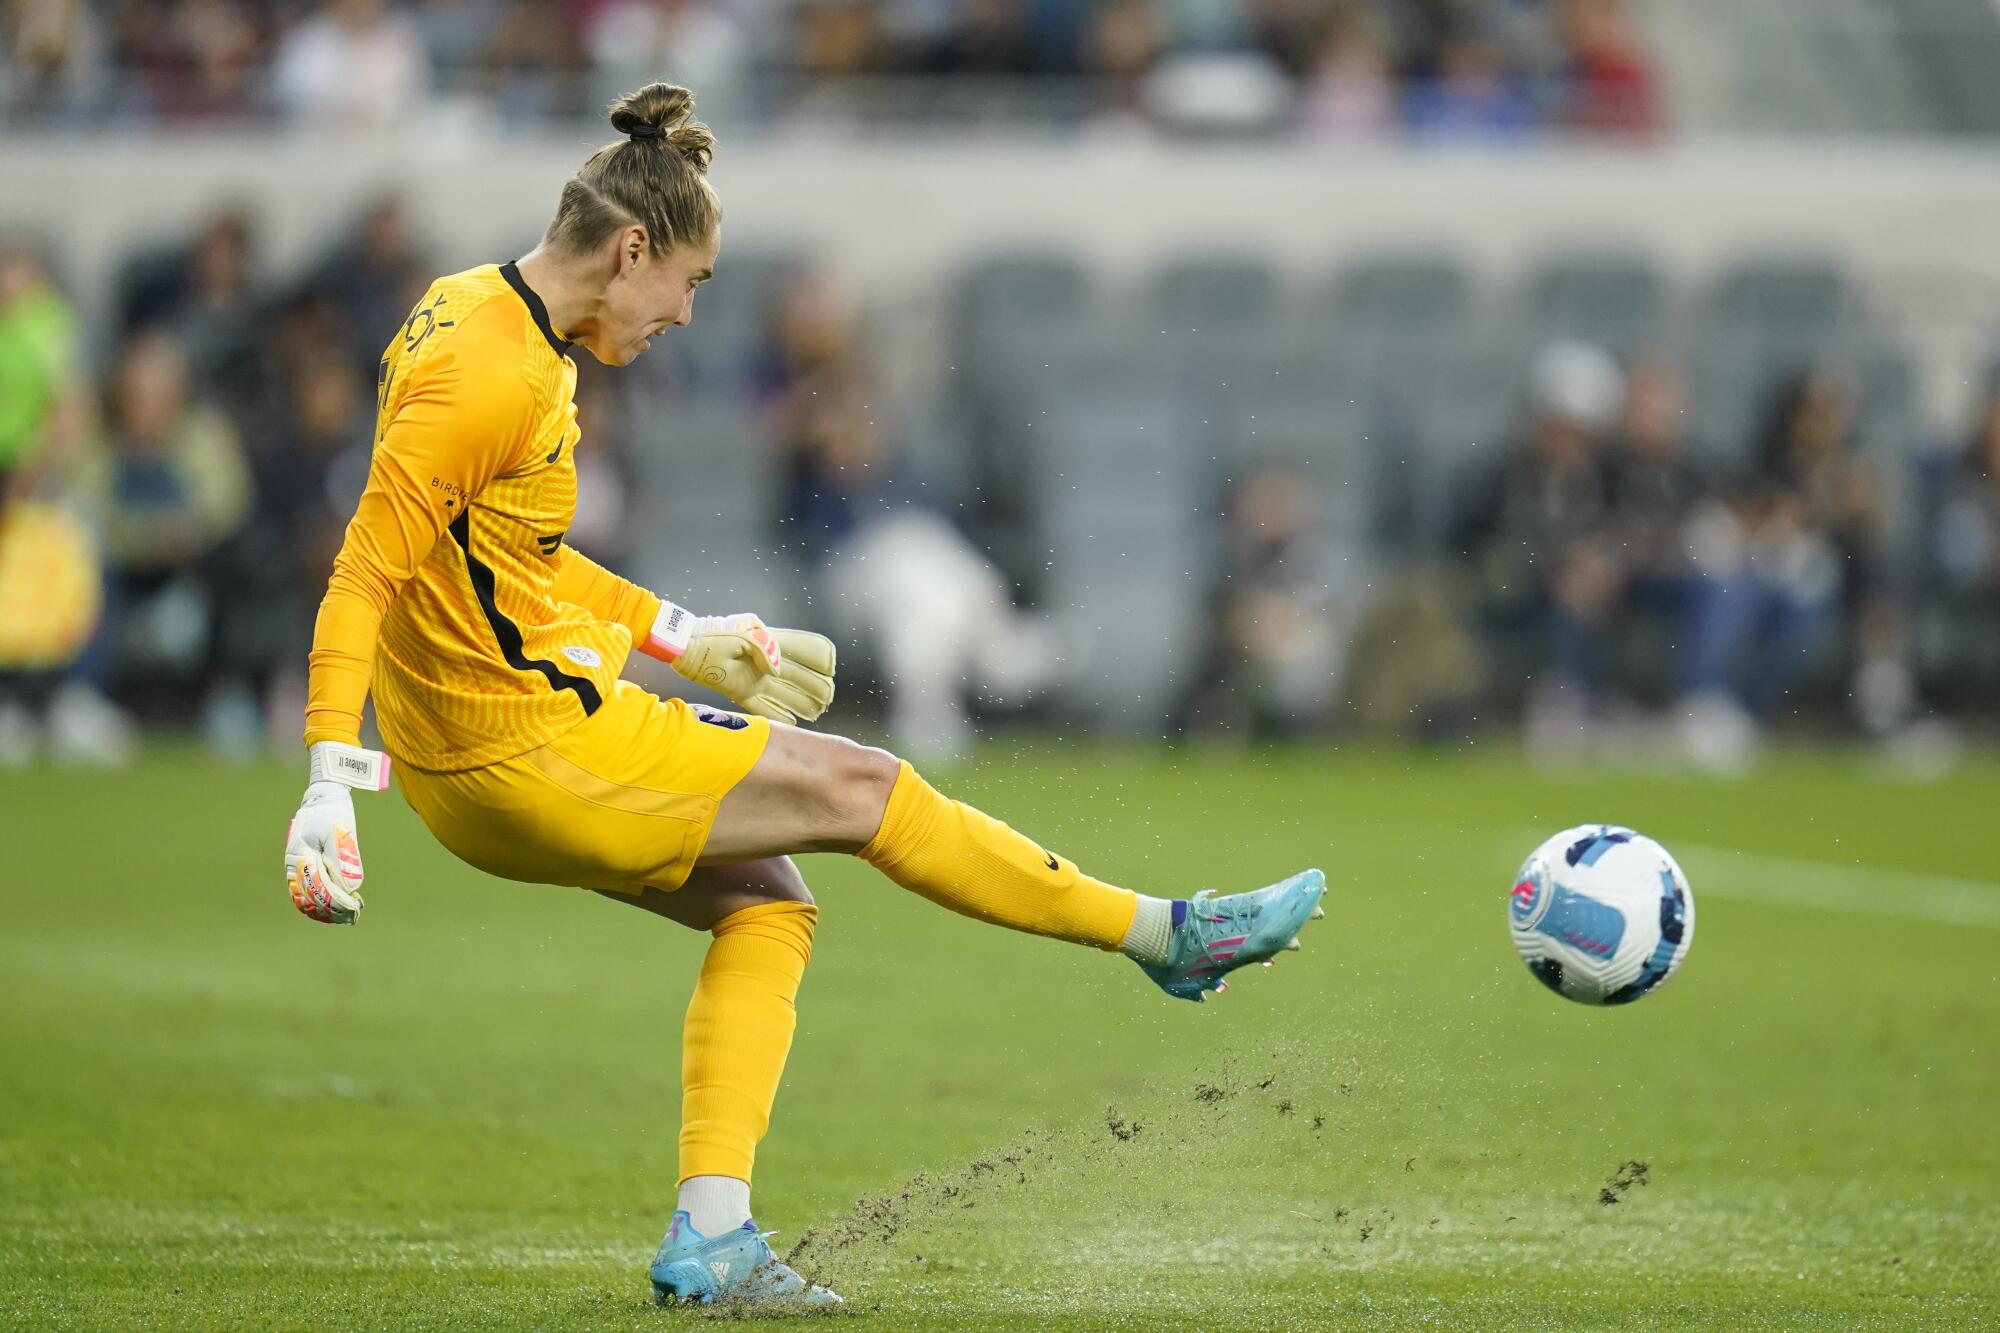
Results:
x,y
454,596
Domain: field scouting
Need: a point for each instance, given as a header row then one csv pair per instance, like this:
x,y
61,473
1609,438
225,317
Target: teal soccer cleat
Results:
x,y
735,1266
1217,935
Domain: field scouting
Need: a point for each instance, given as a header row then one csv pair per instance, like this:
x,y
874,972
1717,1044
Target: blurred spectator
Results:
x,y
50,597
200,58
1349,95
1282,614
1231,66
1963,552
987,37
50,584
371,279
1669,523
1537,529
168,484
456,33
1813,532
308,469
1606,83
1125,40
52,57
355,64
204,293
44,398
702,42
1471,95
894,573
532,68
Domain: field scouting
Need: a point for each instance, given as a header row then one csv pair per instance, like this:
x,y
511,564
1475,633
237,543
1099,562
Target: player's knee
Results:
x,y
786,885
858,782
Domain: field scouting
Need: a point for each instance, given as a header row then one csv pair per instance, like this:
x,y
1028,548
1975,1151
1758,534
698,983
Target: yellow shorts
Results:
x,y
623,802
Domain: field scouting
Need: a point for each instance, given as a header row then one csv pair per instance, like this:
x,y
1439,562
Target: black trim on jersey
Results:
x,y
507,633
512,272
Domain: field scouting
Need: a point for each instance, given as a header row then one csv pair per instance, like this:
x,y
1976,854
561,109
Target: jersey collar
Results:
x,y
512,272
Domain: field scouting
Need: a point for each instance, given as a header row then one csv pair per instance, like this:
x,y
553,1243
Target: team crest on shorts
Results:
x,y
715,717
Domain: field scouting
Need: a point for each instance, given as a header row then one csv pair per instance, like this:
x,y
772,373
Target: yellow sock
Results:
x,y
972,863
738,1033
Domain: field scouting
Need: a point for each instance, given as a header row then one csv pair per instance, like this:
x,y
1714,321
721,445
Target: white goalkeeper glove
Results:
x,y
322,854
783,674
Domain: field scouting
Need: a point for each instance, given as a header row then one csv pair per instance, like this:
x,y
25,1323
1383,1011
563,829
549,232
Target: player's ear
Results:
x,y
633,244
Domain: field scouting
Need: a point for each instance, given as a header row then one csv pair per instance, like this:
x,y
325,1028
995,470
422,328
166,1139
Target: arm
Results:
x,y
464,422
784,674
461,427
583,582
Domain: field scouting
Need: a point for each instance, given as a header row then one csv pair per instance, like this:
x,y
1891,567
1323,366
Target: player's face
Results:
x,y
649,293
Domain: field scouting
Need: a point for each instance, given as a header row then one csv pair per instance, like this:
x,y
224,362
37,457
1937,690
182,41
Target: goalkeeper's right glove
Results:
x,y
783,674
322,854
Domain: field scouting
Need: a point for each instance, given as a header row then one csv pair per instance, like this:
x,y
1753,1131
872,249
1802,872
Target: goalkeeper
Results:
x,y
494,654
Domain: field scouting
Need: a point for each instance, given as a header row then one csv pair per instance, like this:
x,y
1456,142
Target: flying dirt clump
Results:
x,y
1623,1179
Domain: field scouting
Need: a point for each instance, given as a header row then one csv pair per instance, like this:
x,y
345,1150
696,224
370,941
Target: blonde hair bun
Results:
x,y
665,112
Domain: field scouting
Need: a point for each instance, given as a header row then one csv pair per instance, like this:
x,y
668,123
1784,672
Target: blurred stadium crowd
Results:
x,y
1342,70
1218,503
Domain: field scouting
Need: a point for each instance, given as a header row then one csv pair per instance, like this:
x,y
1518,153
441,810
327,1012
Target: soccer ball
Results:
x,y
1601,915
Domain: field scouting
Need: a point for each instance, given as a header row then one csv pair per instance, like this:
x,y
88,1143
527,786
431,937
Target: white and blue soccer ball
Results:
x,y
1601,915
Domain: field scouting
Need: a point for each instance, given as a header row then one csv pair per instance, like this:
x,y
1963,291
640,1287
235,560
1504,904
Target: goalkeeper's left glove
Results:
x,y
783,674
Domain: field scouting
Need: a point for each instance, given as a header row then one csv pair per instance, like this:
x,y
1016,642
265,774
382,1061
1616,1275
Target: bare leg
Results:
x,y
810,792
713,892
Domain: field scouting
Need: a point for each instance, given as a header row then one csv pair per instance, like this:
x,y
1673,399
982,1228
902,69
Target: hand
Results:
x,y
322,852
782,674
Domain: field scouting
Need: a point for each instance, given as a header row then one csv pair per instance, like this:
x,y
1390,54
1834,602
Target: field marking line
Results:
x,y
1834,886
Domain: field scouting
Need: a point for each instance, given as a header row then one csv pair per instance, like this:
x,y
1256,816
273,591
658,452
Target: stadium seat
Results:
x,y
1219,295
732,315
1612,298
707,544
1327,437
1127,527
1787,299
1005,296
1410,294
1459,429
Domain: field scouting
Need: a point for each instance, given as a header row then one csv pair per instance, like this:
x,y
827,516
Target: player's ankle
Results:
x,y
1151,936
715,1204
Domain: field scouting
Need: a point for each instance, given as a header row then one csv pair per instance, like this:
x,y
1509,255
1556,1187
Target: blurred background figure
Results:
x,y
897,578
1469,93
1282,615
1815,521
52,58
354,64
1962,554
1606,83
1348,92
168,484
371,277
204,291
1538,531
50,583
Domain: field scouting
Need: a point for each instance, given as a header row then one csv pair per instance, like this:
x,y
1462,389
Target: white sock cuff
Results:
x,y
1152,932
715,1204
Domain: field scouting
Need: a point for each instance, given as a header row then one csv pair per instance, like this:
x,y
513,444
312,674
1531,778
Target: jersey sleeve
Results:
x,y
466,419
583,582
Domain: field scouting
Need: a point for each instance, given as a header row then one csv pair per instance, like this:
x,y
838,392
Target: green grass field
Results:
x,y
462,1113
